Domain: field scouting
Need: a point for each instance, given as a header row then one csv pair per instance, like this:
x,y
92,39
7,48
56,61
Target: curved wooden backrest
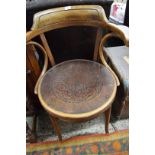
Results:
x,y
90,15
86,15
82,15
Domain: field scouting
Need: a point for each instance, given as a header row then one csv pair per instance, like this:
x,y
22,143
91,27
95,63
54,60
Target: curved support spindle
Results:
x,y
45,64
102,58
47,48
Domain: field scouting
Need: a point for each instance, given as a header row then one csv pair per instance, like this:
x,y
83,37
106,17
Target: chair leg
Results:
x,y
56,127
107,119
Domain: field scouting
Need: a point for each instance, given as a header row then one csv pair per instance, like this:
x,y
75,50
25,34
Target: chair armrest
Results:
x,y
101,55
120,30
45,64
125,30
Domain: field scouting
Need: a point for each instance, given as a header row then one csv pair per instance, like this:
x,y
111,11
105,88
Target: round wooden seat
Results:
x,y
77,89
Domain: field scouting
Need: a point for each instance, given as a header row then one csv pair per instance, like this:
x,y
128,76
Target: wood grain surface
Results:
x,y
77,86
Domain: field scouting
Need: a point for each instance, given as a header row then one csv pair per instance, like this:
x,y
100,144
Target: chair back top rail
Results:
x,y
66,16
81,15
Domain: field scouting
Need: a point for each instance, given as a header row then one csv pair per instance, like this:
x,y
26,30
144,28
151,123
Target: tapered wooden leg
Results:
x,y
107,119
56,127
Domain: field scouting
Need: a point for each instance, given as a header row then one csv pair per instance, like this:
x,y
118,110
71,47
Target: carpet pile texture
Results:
x,y
116,143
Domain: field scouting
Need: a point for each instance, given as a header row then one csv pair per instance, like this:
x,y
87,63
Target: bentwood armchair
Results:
x,y
75,90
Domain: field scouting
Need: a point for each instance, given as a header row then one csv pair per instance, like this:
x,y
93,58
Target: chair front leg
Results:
x,y
107,119
56,127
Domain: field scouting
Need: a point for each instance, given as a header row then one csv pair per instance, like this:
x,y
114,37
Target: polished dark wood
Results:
x,y
77,86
